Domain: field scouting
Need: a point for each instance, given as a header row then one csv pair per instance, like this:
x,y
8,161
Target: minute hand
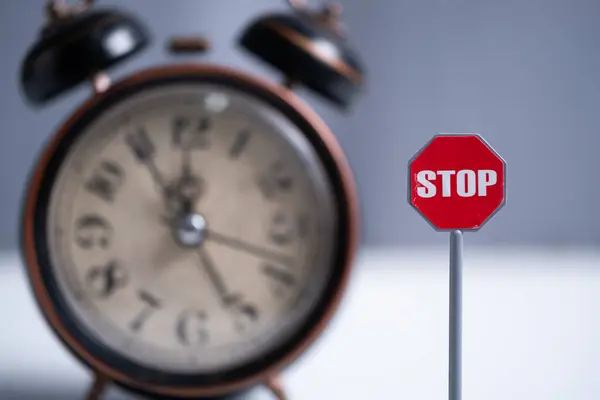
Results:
x,y
241,245
215,278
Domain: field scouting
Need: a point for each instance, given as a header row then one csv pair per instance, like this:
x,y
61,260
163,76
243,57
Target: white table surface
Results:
x,y
531,331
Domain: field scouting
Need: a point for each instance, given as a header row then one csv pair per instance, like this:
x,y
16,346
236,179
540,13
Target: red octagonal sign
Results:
x,y
456,182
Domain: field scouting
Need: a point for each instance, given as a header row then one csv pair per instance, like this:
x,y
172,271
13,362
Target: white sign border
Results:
x,y
409,181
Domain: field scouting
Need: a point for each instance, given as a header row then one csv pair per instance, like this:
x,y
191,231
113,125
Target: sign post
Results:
x,y
457,183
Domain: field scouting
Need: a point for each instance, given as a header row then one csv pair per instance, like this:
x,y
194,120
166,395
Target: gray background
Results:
x,y
524,73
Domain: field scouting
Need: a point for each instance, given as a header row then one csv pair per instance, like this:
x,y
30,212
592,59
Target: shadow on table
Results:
x,y
50,394
37,393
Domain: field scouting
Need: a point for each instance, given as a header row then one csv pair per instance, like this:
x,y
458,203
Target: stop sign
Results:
x,y
456,182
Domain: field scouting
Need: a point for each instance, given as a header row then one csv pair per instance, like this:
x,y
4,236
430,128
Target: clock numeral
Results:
x,y
92,230
284,229
276,179
190,328
107,279
281,231
247,314
150,305
191,133
106,180
239,144
280,279
140,144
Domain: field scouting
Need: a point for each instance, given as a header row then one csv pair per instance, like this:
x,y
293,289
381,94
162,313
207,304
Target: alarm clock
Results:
x,y
189,230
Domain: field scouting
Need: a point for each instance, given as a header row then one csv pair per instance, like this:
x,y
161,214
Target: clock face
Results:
x,y
191,228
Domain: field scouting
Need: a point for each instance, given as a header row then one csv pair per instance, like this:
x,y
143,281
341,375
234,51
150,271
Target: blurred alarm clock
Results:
x,y
189,230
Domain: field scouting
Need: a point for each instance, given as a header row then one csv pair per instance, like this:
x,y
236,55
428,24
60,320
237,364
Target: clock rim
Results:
x,y
340,180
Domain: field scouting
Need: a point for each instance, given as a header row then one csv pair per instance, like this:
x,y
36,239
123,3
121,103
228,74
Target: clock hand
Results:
x,y
170,195
216,279
158,179
186,162
186,173
228,300
144,151
173,200
180,197
189,189
241,245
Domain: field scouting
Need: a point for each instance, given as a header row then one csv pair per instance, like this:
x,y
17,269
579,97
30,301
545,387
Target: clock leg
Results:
x,y
274,385
97,388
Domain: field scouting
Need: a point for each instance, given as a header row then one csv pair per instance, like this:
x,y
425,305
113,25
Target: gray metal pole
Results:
x,y
455,345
